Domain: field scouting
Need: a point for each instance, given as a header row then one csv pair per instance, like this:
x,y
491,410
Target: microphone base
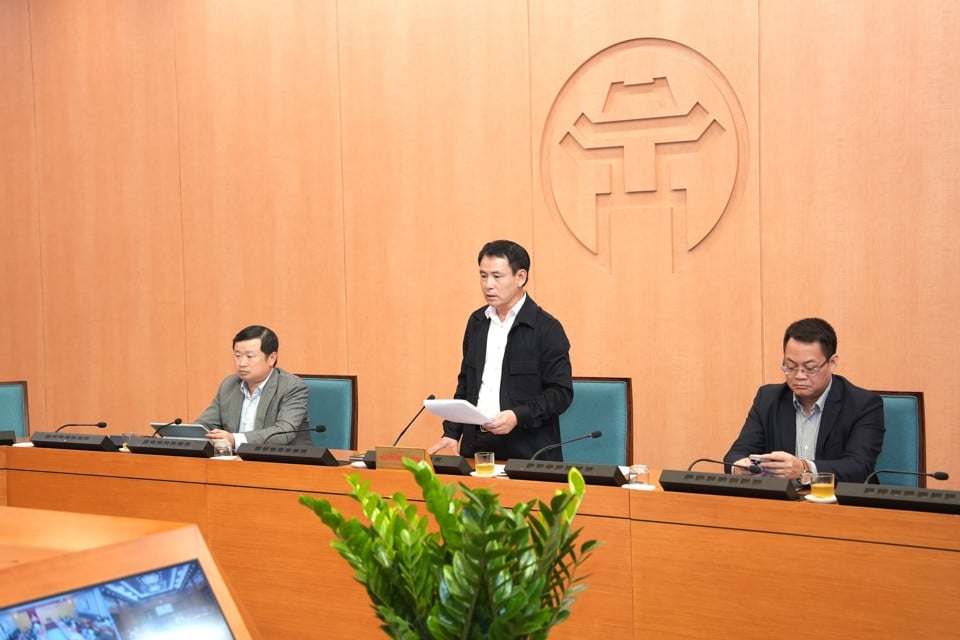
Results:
x,y
7,437
171,447
886,496
81,441
450,465
546,471
728,485
289,454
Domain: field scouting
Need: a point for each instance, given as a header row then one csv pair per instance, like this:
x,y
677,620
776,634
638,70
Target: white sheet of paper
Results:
x,y
456,411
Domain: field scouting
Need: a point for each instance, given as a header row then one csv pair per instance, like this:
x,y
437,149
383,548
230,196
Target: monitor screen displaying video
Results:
x,y
171,603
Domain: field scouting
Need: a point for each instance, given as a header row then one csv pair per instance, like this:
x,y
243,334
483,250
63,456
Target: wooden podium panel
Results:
x,y
705,563
279,556
671,564
108,483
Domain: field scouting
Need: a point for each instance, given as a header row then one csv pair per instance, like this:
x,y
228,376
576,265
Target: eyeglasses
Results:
x,y
792,369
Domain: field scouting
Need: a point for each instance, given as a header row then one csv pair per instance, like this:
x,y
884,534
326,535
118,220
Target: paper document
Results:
x,y
457,411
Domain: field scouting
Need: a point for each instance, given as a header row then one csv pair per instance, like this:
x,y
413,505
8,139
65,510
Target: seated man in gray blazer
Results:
x,y
261,399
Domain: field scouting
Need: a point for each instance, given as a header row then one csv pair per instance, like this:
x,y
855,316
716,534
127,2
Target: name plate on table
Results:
x,y
392,457
82,441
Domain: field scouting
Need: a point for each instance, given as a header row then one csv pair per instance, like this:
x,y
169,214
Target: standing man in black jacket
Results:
x,y
515,367
815,420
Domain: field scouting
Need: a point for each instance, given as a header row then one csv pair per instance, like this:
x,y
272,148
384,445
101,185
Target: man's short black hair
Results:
x,y
269,342
516,255
810,330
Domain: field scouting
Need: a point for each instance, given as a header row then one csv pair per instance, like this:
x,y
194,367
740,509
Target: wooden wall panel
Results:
x,y
436,163
331,169
104,80
656,278
860,160
21,306
260,161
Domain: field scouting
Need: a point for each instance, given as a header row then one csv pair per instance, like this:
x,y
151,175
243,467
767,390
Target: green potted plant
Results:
x,y
484,570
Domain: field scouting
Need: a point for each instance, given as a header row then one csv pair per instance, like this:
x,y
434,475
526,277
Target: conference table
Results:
x,y
672,565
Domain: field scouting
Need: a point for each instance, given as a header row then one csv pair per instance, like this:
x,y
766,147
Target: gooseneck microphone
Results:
x,y
936,475
753,468
99,425
320,428
417,415
159,432
549,447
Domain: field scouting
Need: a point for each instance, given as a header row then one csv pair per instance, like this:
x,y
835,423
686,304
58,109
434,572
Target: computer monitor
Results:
x,y
169,602
182,431
77,575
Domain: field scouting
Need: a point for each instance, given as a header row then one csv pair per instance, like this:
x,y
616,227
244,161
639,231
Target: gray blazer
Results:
x,y
283,407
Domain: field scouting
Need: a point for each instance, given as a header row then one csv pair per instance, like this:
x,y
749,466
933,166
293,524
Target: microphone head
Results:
x,y
102,425
320,428
177,421
940,475
596,434
431,397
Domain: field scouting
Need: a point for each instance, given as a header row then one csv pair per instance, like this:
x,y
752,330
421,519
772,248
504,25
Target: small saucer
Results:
x,y
483,475
639,487
829,500
22,444
223,457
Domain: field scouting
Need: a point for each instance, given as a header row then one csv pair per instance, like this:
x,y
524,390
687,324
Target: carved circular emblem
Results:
x,y
644,127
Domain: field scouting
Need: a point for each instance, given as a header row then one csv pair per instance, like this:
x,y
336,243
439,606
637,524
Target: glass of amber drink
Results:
x,y
483,463
822,486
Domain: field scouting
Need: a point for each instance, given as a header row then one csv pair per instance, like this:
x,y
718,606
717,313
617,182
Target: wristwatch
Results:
x,y
806,476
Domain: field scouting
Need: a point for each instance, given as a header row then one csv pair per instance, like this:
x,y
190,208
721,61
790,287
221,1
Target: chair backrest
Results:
x,y
332,402
13,408
602,404
903,442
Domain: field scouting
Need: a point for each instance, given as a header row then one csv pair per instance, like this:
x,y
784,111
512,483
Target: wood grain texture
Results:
x,y
664,556
859,179
262,222
436,163
21,296
108,195
178,169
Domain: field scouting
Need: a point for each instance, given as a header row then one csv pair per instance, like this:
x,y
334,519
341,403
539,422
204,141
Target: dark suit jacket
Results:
x,y
283,407
850,436
536,383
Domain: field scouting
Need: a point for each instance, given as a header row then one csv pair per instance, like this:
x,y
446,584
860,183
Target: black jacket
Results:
x,y
850,436
536,384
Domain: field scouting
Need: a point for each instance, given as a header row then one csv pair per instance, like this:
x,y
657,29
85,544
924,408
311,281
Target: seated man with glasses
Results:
x,y
814,421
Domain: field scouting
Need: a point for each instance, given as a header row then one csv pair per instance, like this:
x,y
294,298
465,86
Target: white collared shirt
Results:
x,y
808,427
489,399
248,411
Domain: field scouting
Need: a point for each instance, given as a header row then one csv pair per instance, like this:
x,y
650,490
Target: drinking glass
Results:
x,y
638,474
484,463
822,486
222,448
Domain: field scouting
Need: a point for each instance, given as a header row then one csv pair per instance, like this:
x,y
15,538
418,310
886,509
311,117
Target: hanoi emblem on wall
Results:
x,y
644,127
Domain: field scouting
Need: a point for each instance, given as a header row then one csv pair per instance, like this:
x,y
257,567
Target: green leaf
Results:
x,y
481,571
